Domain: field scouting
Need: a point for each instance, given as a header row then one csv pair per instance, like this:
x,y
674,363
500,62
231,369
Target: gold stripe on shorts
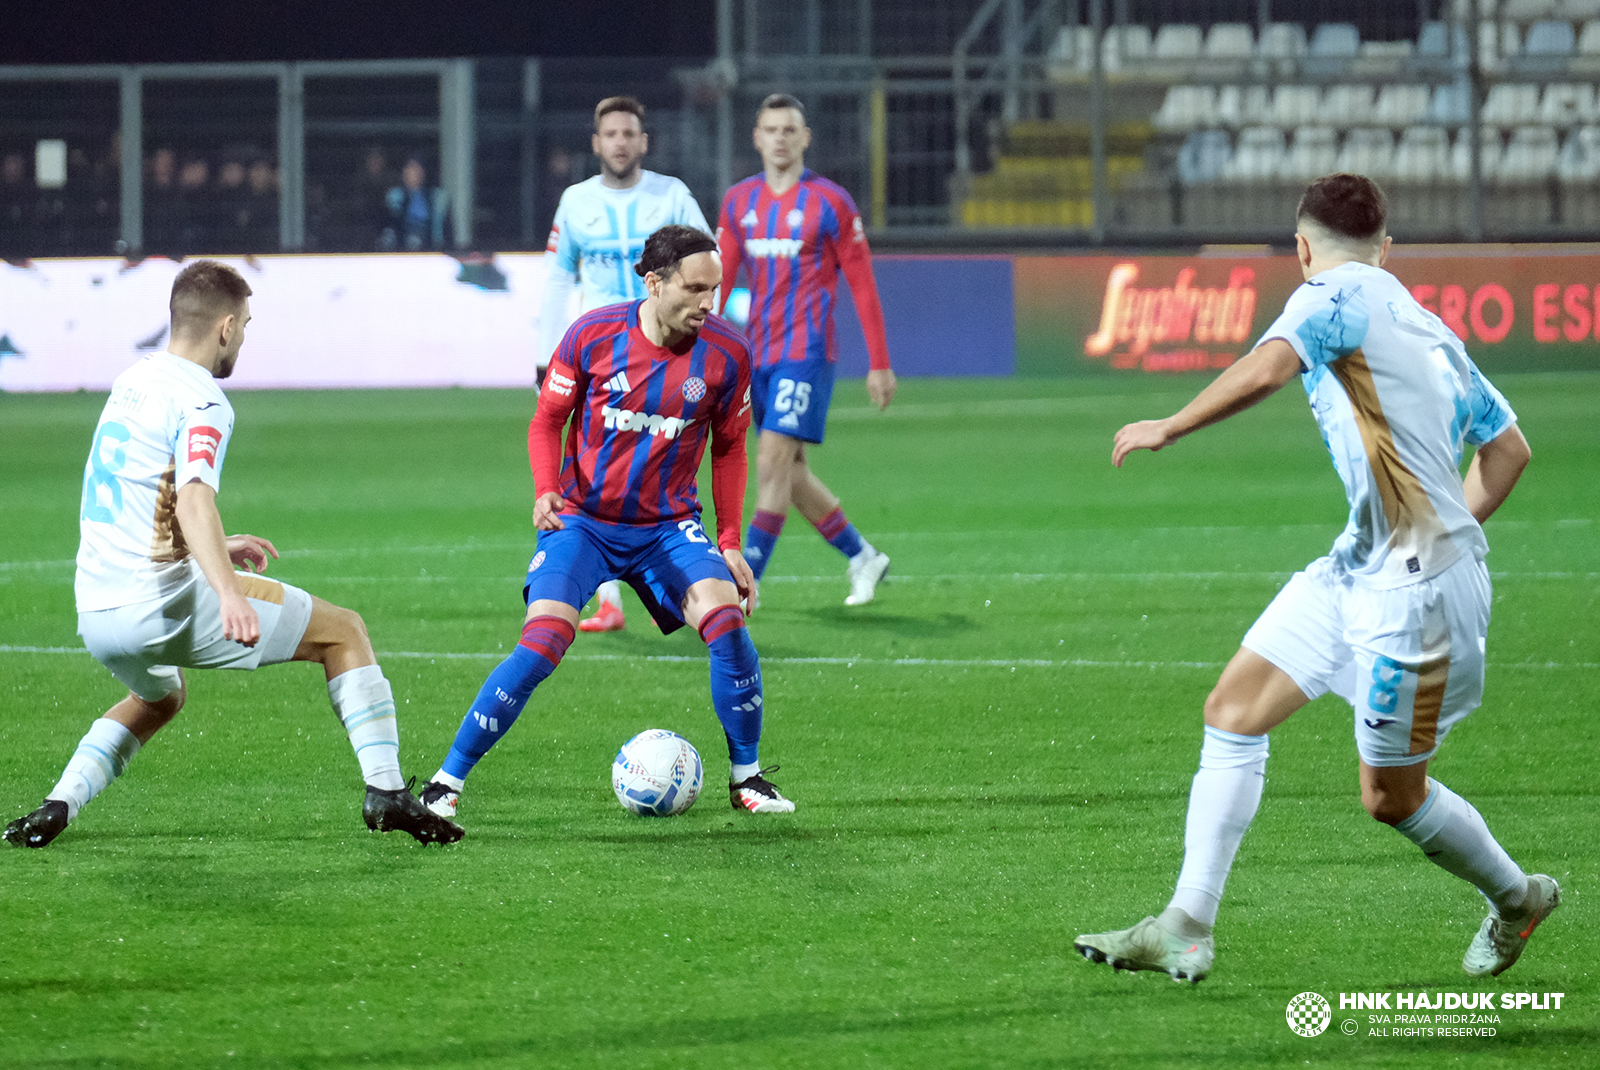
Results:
x,y
1431,678
265,590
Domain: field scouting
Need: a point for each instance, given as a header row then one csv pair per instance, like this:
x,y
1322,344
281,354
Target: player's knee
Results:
x,y
1388,806
166,708
1226,711
345,626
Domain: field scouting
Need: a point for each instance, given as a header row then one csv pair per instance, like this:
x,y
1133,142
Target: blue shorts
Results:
x,y
792,397
659,561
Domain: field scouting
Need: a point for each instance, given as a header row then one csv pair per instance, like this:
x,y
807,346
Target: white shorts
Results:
x,y
144,644
1409,660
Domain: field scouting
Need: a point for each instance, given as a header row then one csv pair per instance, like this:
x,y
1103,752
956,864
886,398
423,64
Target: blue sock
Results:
x,y
763,535
506,691
840,533
735,681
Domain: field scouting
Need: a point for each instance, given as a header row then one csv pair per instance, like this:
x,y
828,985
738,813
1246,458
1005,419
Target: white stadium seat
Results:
x,y
1461,155
1230,40
1187,107
1423,155
1531,156
1282,40
1177,40
1580,156
1567,104
1241,106
1512,104
1314,151
1367,151
1400,105
1346,105
1259,156
1296,105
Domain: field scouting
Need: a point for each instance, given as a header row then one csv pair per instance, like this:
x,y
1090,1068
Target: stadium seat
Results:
x,y
1336,39
1367,151
1451,103
1550,38
1177,41
1229,40
1496,43
1461,155
1567,104
1531,156
1512,104
1204,156
1313,152
1400,105
1347,105
1578,10
1125,46
1259,156
1423,155
1186,107
1526,11
1296,105
1580,156
1589,38
1241,106
1282,40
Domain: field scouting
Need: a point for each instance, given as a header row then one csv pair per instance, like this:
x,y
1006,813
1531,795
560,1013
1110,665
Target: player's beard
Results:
x,y
225,365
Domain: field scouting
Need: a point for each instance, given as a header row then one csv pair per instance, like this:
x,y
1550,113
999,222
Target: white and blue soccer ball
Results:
x,y
657,773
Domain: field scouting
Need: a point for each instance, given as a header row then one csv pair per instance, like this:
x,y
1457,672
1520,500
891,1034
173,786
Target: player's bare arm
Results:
x,y
1494,470
202,530
1257,375
881,386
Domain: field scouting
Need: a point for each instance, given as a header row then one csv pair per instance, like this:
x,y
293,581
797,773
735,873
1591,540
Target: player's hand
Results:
x,y
250,552
743,578
239,620
1145,435
880,387
545,509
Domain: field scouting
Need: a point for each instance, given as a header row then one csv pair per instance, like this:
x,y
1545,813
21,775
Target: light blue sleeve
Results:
x,y
1323,322
1490,412
562,243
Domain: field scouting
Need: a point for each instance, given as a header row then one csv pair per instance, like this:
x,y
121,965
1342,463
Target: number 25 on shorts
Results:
x,y
792,395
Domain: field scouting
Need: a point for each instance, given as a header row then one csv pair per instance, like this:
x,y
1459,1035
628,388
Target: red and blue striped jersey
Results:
x,y
641,417
793,247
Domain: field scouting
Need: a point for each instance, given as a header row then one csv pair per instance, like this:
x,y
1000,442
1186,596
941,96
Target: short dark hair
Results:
x,y
611,104
1349,206
203,293
668,247
781,100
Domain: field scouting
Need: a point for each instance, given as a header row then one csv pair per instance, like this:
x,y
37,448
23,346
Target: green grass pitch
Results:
x,y
988,760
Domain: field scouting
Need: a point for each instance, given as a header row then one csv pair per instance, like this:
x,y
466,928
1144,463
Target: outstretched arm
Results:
x,y
1257,375
1494,470
202,531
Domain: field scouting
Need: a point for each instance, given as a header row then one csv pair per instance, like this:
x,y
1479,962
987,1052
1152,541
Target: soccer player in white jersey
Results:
x,y
598,236
1394,619
157,588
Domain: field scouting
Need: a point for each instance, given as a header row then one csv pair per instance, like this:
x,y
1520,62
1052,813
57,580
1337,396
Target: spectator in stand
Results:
x,y
416,212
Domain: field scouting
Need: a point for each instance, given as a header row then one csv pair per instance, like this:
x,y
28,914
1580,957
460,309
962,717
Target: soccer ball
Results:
x,y
657,773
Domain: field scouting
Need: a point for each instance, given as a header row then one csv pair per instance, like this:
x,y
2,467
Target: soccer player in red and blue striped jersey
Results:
x,y
795,233
645,387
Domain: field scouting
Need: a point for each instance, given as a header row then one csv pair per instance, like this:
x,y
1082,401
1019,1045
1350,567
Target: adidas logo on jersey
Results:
x,y
750,219
789,420
618,383
773,248
649,423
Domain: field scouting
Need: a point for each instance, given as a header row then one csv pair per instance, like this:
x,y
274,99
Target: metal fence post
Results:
x,y
131,147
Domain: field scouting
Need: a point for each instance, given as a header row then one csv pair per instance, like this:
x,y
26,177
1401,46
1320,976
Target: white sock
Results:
x,y
1222,803
866,553
610,593
365,704
453,782
1455,837
741,773
102,754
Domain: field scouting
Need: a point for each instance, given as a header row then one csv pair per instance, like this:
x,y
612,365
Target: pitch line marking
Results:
x,y
985,663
